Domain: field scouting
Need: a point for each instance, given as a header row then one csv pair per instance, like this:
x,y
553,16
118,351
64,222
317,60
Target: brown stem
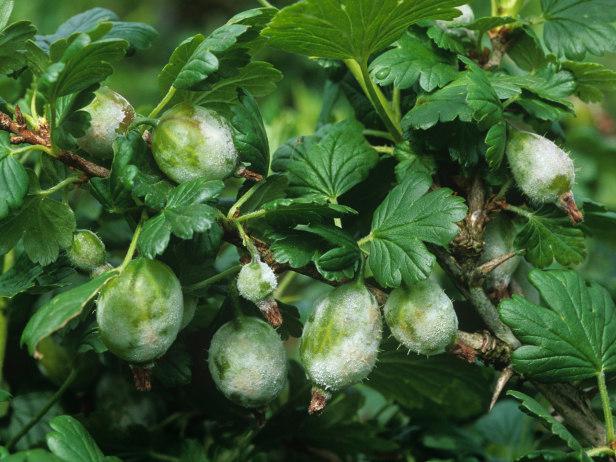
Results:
x,y
484,346
42,137
500,44
318,401
249,174
79,163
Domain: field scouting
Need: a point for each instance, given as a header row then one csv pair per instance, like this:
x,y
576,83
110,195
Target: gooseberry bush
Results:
x,y
154,259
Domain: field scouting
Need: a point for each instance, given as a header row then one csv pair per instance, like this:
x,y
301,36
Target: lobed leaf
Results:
x,y
572,338
406,220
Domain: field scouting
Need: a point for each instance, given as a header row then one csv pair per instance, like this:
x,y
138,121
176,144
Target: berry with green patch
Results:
x,y
87,252
140,311
257,283
192,142
340,341
422,318
248,362
110,116
543,171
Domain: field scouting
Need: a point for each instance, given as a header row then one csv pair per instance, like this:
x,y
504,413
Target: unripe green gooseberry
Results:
x,y
111,115
192,142
256,281
248,362
87,252
422,317
140,312
542,170
340,341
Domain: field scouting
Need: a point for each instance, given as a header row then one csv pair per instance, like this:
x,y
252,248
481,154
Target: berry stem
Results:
x,y
607,408
133,244
44,410
266,4
214,279
166,99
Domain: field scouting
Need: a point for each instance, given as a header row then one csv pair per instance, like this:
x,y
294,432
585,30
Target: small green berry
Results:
x,y
256,281
248,362
87,252
192,142
340,341
140,312
111,115
422,318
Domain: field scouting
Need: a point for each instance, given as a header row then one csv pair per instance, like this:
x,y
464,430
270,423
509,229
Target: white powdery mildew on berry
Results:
x,y
542,170
256,281
422,318
350,357
498,241
139,321
248,362
108,112
219,154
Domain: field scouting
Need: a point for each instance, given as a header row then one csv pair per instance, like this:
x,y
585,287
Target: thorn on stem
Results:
x,y
502,381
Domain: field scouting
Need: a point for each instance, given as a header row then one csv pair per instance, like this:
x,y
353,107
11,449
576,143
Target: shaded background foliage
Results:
x,y
437,416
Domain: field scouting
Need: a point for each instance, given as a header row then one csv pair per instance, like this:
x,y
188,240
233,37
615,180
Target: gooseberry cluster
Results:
x,y
141,310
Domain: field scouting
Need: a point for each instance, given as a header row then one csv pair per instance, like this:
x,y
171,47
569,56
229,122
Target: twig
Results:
x,y
42,137
249,174
44,410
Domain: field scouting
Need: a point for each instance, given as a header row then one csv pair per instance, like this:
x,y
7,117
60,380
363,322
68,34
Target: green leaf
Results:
x,y
84,63
496,139
407,218
483,25
140,36
13,40
23,408
481,97
6,8
572,338
573,28
70,441
4,396
13,183
532,407
444,105
72,121
591,79
45,225
19,278
340,160
57,312
291,324
302,210
549,236
417,382
82,22
413,59
271,188
257,78
180,56
249,133
443,39
350,29
183,215
526,50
